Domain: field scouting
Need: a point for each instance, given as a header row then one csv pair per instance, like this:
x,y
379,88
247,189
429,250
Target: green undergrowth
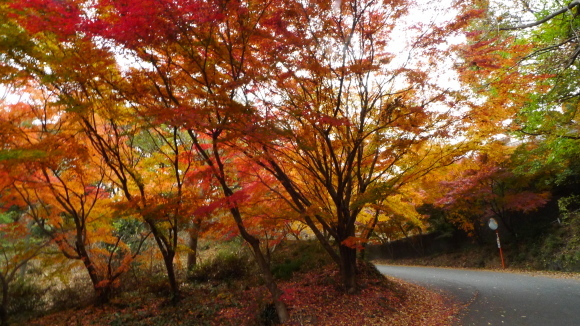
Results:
x,y
297,256
225,266
557,248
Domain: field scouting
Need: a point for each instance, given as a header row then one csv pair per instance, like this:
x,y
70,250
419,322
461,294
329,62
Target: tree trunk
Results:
x,y
323,240
281,309
3,316
193,240
219,173
264,265
422,246
101,294
506,221
390,250
168,254
348,268
4,305
168,259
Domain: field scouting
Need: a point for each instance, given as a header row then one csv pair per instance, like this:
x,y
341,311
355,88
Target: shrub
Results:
x,y
155,283
74,295
559,249
286,269
298,256
224,266
268,316
26,298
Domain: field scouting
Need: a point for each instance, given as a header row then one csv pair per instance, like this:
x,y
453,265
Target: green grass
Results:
x,y
298,256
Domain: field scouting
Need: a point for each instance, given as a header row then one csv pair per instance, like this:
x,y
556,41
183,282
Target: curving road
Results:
x,y
496,298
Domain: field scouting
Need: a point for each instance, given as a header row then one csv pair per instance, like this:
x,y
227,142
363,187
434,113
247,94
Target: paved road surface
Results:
x,y
497,298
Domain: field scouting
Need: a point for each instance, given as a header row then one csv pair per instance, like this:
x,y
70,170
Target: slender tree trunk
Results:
x,y
390,250
168,259
168,254
219,173
324,239
193,241
101,293
281,309
4,305
421,242
506,221
477,232
3,316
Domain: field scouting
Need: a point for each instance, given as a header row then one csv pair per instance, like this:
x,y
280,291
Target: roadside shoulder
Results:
x,y
551,274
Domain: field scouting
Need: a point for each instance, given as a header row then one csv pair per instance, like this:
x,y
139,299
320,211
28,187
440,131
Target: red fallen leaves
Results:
x,y
313,298
319,301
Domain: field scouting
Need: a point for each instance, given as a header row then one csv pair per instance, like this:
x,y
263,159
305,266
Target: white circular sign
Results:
x,y
492,224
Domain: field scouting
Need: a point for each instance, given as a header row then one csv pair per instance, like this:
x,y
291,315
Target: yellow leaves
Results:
x,y
403,205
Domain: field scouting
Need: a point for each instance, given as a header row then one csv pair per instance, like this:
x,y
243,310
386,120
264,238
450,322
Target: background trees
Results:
x,y
543,38
63,188
486,187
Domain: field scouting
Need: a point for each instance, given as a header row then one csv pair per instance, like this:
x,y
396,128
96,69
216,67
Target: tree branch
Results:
x,y
572,4
549,134
573,58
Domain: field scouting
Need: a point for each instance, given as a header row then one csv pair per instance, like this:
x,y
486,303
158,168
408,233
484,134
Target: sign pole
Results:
x,y
500,250
493,225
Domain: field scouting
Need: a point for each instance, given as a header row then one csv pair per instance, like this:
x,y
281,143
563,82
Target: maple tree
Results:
x,y
152,169
204,72
198,73
148,164
349,127
485,187
528,60
109,121
55,175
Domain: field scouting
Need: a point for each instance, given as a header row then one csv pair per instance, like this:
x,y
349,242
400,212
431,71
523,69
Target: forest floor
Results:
x,y
313,298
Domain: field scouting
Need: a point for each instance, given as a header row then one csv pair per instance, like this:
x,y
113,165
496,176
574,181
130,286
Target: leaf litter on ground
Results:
x,y
313,298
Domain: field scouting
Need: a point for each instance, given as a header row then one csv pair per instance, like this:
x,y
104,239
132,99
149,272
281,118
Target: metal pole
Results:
x,y
500,250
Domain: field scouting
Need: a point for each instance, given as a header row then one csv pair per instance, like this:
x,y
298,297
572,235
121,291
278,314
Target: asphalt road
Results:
x,y
496,298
